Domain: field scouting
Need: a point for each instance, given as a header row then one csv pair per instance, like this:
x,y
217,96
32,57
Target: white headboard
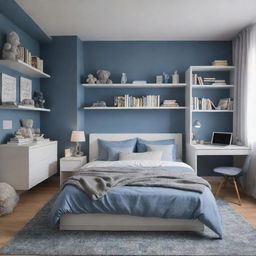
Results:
x,y
93,146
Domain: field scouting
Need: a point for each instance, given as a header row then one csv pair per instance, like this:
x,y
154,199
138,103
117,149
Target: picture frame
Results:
x,y
25,88
8,88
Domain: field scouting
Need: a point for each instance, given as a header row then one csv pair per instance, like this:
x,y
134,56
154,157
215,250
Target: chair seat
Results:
x,y
228,171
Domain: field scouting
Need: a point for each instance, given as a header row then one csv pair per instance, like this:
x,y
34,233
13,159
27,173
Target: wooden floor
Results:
x,y
31,202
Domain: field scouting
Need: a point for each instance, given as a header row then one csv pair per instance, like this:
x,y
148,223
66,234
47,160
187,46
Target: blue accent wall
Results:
x,y
6,26
143,61
63,91
69,61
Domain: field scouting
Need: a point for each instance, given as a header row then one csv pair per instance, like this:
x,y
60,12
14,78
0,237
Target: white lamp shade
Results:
x,y
77,136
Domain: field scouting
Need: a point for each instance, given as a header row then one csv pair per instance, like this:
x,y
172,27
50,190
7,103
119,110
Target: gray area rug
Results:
x,y
39,239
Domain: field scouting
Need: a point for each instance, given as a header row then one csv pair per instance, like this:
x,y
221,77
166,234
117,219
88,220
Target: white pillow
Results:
x,y
154,155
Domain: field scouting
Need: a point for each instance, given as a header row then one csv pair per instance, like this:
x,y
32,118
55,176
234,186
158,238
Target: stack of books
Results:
x,y
203,104
34,61
197,79
219,82
209,80
130,101
20,141
170,103
220,63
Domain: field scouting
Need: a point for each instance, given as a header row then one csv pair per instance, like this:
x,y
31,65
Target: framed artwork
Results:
x,y
8,88
25,88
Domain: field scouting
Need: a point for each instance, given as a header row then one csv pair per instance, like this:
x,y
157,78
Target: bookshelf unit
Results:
x,y
210,89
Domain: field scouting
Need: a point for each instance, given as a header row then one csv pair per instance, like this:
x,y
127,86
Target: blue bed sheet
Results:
x,y
142,201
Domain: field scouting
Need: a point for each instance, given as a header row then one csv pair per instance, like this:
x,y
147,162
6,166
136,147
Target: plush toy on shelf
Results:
x,y
103,77
10,49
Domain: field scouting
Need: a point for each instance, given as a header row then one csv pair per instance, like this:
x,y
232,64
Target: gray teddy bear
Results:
x,y
10,49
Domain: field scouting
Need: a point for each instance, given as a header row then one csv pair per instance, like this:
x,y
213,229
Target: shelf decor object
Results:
x,y
24,68
8,88
152,85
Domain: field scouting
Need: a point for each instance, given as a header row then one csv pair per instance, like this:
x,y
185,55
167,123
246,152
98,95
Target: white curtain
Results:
x,y
244,57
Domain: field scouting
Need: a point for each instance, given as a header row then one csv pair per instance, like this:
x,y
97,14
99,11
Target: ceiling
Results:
x,y
142,19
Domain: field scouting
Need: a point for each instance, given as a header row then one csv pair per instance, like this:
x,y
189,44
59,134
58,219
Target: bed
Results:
x,y
136,208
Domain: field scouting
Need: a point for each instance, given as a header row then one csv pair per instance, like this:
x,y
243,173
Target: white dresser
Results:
x,y
24,166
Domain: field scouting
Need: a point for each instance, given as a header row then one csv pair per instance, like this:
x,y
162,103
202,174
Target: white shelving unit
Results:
x,y
24,68
19,107
180,85
189,94
132,108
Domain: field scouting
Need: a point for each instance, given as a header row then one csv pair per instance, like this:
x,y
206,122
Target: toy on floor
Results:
x,y
8,198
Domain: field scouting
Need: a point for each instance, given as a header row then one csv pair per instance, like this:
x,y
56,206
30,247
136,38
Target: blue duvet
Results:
x,y
142,201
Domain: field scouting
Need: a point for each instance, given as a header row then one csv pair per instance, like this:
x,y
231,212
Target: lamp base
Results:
x,y
78,151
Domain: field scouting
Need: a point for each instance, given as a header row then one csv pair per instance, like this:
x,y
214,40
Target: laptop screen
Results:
x,y
221,138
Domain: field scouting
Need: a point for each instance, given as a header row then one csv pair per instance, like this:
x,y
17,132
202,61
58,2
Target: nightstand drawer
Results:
x,y
70,165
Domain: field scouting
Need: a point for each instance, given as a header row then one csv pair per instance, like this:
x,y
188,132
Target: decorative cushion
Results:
x,y
169,151
113,152
155,155
141,144
228,171
104,145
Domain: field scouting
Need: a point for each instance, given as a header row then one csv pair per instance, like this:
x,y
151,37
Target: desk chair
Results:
x,y
234,173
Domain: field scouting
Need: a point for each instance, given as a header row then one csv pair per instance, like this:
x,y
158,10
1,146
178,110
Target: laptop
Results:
x,y
221,138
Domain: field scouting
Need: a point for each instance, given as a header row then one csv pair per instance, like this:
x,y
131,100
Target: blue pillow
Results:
x,y
169,151
104,145
113,152
141,144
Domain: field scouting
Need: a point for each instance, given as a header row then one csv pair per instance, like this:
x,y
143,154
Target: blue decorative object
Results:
x,y
166,78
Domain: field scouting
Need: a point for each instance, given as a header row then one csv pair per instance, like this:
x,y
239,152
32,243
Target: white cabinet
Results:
x,y
68,166
24,166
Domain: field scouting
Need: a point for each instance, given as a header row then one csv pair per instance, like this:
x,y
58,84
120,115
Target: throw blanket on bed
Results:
x,y
96,183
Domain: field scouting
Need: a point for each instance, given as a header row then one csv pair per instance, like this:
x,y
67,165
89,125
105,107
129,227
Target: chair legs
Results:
x,y
235,181
220,186
237,191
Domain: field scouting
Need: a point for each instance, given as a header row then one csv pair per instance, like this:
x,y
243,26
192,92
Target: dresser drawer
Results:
x,y
42,153
41,171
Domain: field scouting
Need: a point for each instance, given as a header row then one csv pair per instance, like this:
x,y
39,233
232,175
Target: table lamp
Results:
x,y
78,136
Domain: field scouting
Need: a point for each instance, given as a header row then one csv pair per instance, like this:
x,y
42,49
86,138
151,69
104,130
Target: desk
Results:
x,y
195,150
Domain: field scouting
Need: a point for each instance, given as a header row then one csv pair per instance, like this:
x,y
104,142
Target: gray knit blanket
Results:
x,y
96,183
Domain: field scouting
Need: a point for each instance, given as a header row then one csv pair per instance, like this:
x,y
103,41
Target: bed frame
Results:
x,y
113,222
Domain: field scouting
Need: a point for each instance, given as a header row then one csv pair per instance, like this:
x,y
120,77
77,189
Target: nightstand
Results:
x,y
68,166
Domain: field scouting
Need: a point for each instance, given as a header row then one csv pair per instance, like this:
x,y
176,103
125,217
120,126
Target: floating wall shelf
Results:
x,y
214,111
132,108
211,68
24,108
24,68
213,86
180,85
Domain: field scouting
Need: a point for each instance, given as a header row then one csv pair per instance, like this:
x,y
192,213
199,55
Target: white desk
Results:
x,y
195,150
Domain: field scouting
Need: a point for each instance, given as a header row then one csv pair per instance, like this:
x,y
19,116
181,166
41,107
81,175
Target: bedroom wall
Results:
x,y
143,61
62,57
69,61
7,26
